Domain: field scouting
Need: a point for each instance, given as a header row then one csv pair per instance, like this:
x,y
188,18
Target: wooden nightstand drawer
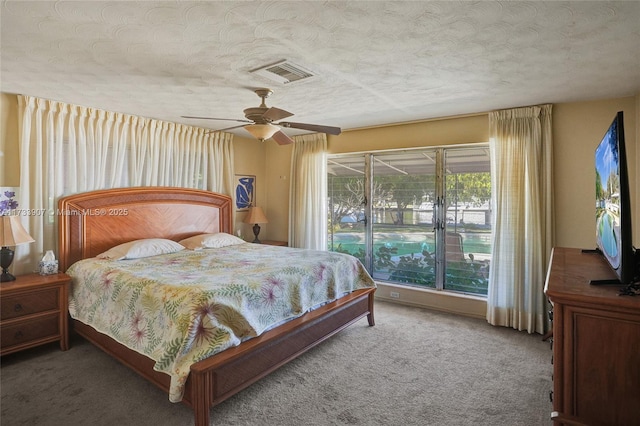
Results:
x,y
34,312
25,304
20,333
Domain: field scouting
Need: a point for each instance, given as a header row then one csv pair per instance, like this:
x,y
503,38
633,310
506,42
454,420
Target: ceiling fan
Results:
x,y
262,122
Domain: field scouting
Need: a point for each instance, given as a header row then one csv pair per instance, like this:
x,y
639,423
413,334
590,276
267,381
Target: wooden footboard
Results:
x,y
234,369
221,376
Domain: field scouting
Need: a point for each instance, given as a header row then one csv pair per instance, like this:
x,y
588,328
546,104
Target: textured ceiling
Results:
x,y
375,62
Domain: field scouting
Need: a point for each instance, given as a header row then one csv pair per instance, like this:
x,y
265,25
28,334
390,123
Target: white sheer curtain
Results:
x,y
308,193
67,149
521,150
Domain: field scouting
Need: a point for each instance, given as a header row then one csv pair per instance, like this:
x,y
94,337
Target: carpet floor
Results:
x,y
415,367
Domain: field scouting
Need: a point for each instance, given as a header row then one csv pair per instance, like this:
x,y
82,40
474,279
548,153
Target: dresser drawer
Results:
x,y
28,331
19,305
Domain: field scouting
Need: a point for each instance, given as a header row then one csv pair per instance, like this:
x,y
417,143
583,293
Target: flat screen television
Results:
x,y
613,205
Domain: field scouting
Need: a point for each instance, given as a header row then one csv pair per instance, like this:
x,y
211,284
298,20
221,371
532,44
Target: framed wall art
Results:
x,y
245,192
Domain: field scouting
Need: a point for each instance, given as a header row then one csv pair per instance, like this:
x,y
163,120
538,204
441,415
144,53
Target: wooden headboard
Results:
x,y
92,222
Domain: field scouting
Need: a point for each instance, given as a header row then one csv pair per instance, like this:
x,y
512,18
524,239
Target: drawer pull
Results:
x,y
18,335
17,307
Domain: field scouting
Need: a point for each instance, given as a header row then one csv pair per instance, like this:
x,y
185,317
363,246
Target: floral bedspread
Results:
x,y
180,308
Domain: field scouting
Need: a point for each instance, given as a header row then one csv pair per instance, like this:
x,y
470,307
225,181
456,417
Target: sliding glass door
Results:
x,y
347,205
467,221
404,217
417,217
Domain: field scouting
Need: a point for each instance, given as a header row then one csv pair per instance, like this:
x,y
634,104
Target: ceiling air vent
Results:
x,y
284,72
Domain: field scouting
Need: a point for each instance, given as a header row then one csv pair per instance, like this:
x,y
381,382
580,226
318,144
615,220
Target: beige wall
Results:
x,y
249,157
577,129
446,131
270,163
278,167
460,130
9,166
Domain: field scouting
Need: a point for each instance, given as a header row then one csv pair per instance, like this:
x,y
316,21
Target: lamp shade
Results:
x,y
255,215
262,131
12,232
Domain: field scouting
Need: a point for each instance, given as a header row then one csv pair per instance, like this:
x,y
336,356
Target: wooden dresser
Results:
x,y
596,342
34,312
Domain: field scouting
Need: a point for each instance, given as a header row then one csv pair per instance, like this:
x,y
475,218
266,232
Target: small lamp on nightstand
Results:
x,y
12,233
255,216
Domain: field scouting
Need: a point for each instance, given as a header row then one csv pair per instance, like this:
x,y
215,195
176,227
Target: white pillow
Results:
x,y
221,239
141,248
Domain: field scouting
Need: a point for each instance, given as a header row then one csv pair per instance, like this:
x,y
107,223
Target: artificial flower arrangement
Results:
x,y
7,202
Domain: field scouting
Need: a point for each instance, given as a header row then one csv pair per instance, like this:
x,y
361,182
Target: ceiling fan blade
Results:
x,y
273,114
221,119
226,128
314,127
281,138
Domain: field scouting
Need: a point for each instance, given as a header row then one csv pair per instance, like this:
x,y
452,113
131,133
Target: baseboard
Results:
x,y
455,303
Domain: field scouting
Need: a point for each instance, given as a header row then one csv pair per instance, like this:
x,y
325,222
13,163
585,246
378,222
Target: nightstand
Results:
x,y
274,243
34,312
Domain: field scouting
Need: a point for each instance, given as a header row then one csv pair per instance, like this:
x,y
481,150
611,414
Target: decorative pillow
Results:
x,y
141,248
221,239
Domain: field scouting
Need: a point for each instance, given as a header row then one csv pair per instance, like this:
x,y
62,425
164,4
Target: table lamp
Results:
x,y
12,233
255,216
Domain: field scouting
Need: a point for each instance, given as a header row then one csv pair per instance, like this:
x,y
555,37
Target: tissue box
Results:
x,y
48,267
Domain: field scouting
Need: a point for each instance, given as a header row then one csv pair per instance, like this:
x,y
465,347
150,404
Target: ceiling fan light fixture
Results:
x,y
262,131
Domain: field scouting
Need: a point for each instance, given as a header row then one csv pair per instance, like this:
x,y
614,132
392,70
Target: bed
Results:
x,y
93,222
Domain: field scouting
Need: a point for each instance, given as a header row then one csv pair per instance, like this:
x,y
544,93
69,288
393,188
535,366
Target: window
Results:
x,y
415,217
